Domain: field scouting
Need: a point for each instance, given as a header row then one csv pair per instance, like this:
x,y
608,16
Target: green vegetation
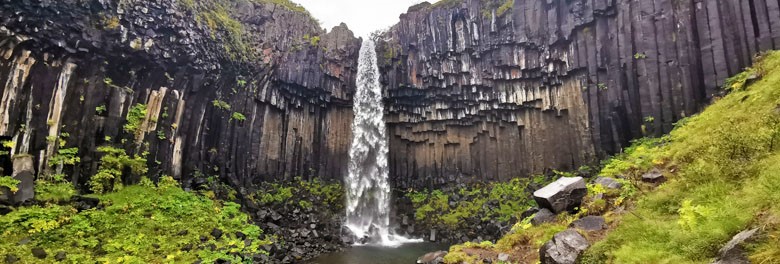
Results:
x,y
10,183
500,6
313,40
100,109
511,197
640,56
112,164
139,224
309,194
222,105
447,3
237,116
55,191
724,170
135,117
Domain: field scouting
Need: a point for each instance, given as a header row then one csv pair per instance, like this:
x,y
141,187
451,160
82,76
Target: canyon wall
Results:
x,y
489,90
246,90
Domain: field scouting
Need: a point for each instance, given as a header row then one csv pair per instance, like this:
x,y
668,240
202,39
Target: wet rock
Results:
x,y
608,183
432,258
733,252
432,237
39,253
565,194
590,223
24,172
216,233
60,256
4,210
564,248
654,176
544,215
9,258
82,203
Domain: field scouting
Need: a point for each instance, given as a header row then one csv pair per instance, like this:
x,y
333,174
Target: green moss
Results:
x,y
139,224
135,117
447,3
305,194
724,170
433,207
222,105
237,116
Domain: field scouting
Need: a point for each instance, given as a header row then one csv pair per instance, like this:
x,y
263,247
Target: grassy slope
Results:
x,y
723,167
138,224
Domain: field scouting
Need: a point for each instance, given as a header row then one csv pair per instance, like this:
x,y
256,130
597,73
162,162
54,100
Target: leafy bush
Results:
x,y
112,165
53,191
237,116
10,183
139,224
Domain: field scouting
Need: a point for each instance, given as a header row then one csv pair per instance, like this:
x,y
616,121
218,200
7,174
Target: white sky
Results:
x,y
362,16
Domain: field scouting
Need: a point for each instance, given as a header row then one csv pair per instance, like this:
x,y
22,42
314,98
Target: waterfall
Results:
x,y
368,191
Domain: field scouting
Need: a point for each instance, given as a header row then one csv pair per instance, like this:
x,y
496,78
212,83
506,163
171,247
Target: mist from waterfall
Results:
x,y
368,190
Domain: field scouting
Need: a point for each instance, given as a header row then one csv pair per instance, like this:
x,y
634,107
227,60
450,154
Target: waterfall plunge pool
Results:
x,y
368,254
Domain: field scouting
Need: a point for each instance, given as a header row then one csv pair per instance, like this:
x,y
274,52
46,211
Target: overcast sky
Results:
x,y
362,16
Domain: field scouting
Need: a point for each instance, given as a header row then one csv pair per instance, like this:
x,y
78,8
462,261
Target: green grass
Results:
x,y
138,224
724,170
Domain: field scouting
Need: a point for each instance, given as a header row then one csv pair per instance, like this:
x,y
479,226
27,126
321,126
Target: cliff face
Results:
x,y
496,89
249,90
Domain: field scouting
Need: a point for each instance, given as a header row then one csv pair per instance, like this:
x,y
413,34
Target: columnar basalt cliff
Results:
x,y
487,90
247,90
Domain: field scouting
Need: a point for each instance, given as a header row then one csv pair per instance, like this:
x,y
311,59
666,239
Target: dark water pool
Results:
x,y
404,254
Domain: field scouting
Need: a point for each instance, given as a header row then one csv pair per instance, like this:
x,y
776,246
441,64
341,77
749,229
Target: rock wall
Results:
x,y
488,90
251,92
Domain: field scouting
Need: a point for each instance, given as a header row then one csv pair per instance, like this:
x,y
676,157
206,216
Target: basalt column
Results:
x,y
247,91
489,90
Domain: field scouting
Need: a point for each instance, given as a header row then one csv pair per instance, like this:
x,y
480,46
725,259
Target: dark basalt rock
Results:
x,y
608,183
733,252
654,176
24,172
564,248
475,93
9,259
39,253
590,223
82,203
60,256
544,215
565,194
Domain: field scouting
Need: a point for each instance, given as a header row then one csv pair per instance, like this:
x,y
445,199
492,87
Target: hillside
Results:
x,y
722,170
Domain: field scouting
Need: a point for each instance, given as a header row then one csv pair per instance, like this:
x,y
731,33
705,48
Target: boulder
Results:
x,y
503,257
590,223
216,233
543,216
608,183
432,258
528,213
39,253
654,176
565,194
564,248
60,256
25,173
732,252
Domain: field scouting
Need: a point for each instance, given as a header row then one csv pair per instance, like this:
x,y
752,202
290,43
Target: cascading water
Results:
x,y
368,192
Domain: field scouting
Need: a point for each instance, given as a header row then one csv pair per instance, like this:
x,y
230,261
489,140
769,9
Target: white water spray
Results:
x,y
368,192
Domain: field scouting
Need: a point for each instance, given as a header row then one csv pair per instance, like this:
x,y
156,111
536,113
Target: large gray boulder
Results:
x,y
564,248
565,194
25,173
732,252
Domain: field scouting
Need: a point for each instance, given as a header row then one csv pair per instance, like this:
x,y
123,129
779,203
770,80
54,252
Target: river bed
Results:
x,y
404,254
